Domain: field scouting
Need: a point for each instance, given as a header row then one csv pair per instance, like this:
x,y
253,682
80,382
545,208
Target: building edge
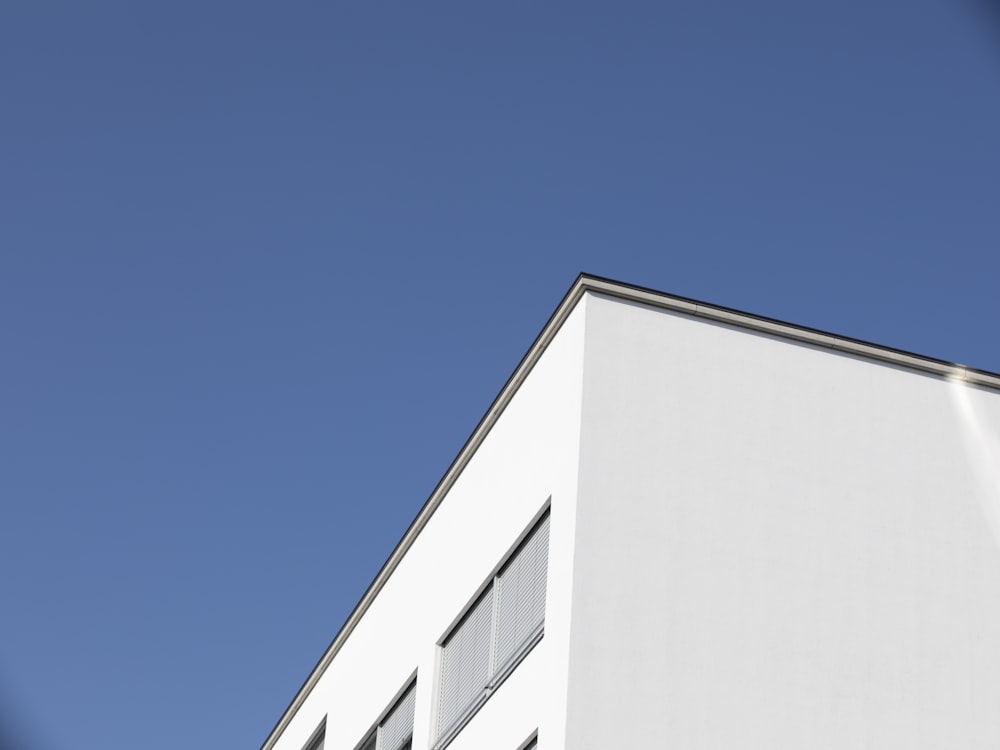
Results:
x,y
583,284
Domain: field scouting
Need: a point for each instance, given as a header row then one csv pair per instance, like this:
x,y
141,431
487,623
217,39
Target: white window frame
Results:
x,y
497,672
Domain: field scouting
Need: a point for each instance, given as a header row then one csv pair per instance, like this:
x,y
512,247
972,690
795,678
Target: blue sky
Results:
x,y
264,266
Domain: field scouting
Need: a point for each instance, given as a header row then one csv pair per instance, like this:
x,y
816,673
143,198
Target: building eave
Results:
x,y
586,283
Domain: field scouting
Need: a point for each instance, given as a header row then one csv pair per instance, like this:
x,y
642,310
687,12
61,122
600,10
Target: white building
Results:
x,y
682,526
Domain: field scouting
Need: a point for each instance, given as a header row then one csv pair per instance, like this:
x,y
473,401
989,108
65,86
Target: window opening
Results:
x,y
498,630
395,730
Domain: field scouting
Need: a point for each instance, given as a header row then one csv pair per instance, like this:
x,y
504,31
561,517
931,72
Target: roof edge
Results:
x,y
524,367
590,283
803,334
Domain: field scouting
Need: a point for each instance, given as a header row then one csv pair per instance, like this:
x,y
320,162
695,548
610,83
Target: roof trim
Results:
x,y
816,337
587,283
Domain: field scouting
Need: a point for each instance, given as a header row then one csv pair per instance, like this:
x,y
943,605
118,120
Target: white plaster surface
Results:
x,y
755,543
779,546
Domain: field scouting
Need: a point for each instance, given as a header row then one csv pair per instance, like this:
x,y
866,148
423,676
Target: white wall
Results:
x,y
779,546
529,455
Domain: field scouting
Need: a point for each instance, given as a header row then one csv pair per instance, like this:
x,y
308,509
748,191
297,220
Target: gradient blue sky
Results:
x,y
264,265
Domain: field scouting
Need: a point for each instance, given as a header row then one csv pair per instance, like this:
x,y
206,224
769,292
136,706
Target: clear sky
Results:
x,y
263,266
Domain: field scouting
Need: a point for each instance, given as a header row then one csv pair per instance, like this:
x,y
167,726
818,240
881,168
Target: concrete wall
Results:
x,y
530,455
779,546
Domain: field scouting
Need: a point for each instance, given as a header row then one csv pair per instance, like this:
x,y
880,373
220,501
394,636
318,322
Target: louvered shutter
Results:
x,y
397,727
520,592
465,661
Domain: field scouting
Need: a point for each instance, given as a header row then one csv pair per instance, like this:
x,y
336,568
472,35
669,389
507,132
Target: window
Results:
x,y
496,632
394,731
318,739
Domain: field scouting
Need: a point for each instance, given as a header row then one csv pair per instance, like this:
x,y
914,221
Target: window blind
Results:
x,y
397,727
496,632
465,661
520,592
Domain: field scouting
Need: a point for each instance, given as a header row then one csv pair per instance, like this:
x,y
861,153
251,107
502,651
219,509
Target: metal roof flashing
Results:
x,y
802,334
583,284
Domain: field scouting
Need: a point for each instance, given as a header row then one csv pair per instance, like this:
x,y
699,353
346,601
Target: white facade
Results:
x,y
759,537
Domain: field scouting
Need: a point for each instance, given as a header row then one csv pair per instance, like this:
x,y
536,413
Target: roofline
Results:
x,y
503,398
589,283
825,339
